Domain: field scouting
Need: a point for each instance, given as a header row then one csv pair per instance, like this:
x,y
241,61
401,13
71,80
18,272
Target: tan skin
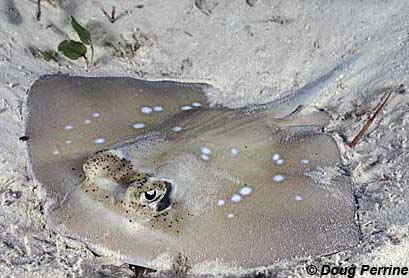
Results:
x,y
141,193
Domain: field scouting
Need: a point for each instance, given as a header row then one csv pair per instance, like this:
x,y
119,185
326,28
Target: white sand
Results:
x,y
253,55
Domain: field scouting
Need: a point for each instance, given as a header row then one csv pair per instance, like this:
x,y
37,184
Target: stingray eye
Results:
x,y
150,195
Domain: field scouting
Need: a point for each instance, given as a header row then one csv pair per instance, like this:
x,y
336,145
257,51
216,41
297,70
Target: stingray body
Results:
x,y
148,170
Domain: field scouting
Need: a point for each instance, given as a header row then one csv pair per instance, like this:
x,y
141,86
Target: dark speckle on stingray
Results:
x,y
147,170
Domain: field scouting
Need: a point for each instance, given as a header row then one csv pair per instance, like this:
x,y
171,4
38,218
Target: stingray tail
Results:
x,y
294,102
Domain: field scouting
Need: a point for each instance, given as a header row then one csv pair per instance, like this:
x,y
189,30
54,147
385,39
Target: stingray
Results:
x,y
151,170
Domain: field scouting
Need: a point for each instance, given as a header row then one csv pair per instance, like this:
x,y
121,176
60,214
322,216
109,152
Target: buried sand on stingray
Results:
x,y
148,170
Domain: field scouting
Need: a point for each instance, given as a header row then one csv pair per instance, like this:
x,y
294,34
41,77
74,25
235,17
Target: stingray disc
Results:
x,y
148,170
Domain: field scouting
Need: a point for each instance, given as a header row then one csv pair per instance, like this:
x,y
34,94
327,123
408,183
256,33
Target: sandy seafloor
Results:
x,y
253,52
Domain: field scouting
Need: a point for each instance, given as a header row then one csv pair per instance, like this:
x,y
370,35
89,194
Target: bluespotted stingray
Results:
x,y
148,170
